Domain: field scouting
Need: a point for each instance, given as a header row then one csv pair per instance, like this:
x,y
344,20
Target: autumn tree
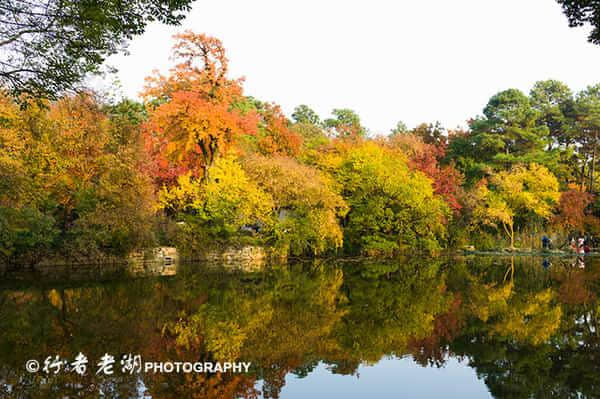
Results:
x,y
573,210
428,158
432,133
307,207
193,119
391,206
215,210
274,134
313,137
525,194
77,185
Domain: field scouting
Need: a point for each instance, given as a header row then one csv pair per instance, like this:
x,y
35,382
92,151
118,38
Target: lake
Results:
x,y
460,327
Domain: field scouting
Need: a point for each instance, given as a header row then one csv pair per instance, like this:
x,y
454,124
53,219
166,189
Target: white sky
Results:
x,y
410,60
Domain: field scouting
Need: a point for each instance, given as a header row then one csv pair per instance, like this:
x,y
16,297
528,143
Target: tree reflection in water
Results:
x,y
529,328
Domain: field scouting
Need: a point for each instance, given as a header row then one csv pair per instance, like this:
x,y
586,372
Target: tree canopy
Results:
x,y
207,166
582,12
48,46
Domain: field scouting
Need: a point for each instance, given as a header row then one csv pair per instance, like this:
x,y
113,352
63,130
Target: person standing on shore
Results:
x,y
545,242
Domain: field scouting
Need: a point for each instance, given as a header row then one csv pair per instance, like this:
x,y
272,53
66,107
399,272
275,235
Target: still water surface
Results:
x,y
467,327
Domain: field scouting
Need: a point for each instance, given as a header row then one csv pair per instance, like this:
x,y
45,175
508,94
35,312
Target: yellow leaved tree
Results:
x,y
219,208
531,192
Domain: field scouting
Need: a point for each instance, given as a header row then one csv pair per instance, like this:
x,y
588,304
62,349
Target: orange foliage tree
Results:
x,y
572,213
426,158
276,137
193,119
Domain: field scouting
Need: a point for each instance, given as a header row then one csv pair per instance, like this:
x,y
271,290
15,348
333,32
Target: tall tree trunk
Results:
x,y
209,152
592,166
582,180
512,236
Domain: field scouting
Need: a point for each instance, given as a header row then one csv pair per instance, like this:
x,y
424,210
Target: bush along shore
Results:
x,y
201,167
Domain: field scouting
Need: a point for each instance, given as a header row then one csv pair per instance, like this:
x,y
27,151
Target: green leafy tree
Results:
x,y
507,134
346,123
553,100
313,136
305,114
308,125
48,46
399,129
587,127
509,128
582,12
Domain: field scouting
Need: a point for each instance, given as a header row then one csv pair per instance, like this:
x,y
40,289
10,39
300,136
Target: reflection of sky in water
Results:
x,y
389,378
